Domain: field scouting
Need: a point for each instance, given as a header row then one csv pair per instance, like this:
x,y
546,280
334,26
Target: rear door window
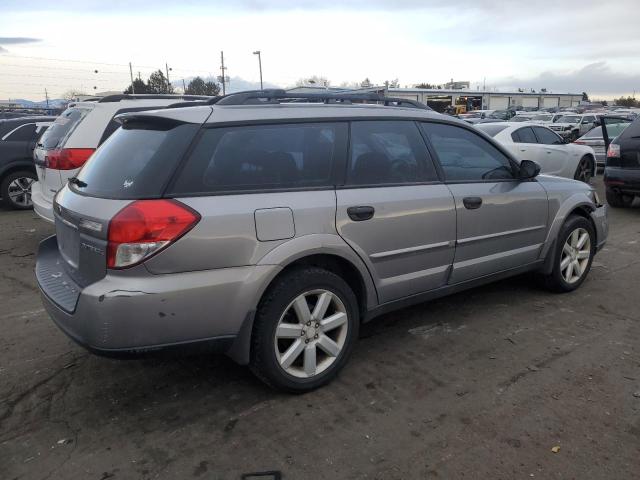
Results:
x,y
62,127
524,135
136,162
263,157
388,152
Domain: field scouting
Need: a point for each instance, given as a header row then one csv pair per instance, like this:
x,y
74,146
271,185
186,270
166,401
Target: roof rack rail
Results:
x,y
153,96
270,96
195,103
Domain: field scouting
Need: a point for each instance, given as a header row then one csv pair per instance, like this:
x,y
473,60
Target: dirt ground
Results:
x,y
483,384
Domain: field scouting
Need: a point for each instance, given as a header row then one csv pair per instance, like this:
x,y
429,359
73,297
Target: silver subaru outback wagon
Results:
x,y
269,227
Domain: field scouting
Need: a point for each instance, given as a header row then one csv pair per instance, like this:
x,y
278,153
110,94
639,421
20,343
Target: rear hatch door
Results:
x,y
53,139
135,163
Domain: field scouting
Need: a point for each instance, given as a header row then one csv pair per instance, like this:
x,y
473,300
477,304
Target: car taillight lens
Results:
x,y
613,151
145,227
68,158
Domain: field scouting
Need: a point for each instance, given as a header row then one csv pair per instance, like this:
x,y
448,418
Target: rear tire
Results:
x,y
15,189
572,256
617,200
298,345
584,170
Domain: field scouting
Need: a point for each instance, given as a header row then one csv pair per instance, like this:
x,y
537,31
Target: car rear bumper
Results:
x,y
623,180
133,311
600,217
41,205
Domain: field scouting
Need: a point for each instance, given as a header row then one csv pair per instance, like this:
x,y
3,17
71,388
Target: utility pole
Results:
x,y
133,87
184,88
257,52
166,66
222,76
46,95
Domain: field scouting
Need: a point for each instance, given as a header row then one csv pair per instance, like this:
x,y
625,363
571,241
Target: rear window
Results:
x,y
262,157
135,162
62,127
490,129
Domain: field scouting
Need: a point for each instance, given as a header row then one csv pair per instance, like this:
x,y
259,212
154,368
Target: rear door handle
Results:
x,y
471,203
360,213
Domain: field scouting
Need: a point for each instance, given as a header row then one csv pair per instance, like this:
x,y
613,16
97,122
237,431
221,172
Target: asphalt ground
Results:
x,y
505,381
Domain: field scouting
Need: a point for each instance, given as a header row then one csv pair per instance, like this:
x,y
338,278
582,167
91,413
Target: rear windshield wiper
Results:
x,y
77,182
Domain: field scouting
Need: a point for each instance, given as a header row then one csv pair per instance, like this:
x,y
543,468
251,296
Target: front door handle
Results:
x,y
471,203
360,213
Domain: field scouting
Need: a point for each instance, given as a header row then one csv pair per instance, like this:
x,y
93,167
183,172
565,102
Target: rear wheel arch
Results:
x,y
16,167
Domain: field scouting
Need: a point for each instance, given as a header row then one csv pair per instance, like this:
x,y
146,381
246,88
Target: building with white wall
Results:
x,y
438,99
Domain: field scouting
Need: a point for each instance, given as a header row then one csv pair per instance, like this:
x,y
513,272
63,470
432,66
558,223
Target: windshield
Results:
x,y
62,127
500,115
542,118
521,118
569,119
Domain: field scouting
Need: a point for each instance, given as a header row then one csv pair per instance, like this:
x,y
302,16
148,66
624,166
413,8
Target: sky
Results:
x,y
564,46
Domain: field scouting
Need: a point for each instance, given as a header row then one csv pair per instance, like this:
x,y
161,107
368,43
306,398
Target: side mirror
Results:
x,y
528,170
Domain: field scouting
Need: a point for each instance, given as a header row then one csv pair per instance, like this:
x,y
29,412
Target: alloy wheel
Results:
x,y
575,255
20,191
311,333
584,171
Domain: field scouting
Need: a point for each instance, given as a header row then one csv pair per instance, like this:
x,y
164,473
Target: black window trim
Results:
x,y
515,132
514,164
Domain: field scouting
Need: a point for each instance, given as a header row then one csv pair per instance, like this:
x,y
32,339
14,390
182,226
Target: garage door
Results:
x,y
498,103
565,102
530,102
548,102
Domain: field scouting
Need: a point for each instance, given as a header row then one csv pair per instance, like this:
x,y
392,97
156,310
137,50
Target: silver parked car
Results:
x,y
269,225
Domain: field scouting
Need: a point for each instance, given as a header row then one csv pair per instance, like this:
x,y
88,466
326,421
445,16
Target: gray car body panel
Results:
x,y
421,243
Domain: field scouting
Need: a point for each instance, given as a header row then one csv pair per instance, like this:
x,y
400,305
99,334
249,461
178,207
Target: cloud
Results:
x,y
598,79
18,40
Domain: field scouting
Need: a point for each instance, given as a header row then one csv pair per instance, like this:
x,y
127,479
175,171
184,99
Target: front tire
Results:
x,y
618,200
16,189
573,255
304,330
584,170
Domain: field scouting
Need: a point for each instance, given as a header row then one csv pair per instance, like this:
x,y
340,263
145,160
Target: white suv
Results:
x,y
76,134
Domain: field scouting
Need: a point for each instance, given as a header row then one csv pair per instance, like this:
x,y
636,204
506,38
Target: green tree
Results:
x,y
366,83
198,86
425,85
585,97
138,86
627,102
158,83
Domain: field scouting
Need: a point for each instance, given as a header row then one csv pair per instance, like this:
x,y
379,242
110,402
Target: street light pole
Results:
x,y
257,52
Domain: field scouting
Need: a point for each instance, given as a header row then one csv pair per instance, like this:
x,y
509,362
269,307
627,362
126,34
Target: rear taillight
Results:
x,y
144,227
613,151
67,158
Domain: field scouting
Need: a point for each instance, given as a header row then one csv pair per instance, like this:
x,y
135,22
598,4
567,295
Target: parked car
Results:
x,y
76,134
271,231
594,139
530,141
622,168
573,126
18,137
475,116
501,114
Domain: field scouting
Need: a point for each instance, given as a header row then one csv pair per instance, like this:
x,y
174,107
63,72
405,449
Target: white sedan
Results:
x,y
530,141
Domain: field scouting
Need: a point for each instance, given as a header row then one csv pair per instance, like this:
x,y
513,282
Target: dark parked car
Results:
x,y
622,167
18,138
